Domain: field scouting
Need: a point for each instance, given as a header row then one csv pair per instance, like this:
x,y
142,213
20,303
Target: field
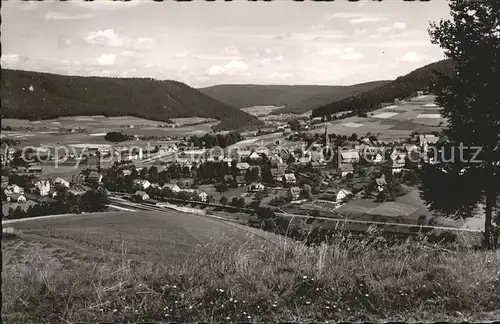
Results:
x,y
131,267
260,110
193,120
419,114
151,235
51,132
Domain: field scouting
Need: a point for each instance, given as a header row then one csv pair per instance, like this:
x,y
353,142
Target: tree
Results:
x,y
470,101
238,202
116,137
252,175
223,200
221,187
153,174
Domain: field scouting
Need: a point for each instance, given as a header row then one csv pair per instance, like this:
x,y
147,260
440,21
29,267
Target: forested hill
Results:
x,y
35,95
403,87
322,98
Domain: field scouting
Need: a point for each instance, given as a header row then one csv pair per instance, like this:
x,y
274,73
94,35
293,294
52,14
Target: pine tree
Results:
x,y
470,100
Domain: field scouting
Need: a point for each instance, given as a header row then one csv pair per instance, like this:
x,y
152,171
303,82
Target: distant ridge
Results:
x,y
249,95
405,86
36,95
334,94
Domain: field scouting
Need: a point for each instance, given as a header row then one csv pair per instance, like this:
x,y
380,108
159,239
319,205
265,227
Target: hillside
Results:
x,y
34,95
334,94
403,87
249,95
140,267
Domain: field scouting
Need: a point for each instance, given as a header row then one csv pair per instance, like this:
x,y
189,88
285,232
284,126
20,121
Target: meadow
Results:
x,y
418,114
51,273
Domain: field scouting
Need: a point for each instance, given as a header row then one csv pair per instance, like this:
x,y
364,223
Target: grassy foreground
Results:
x,y
346,280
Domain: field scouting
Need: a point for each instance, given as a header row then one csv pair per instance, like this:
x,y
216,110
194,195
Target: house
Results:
x,y
43,187
377,158
15,189
126,172
185,183
256,186
60,182
275,160
172,187
315,164
346,169
202,195
35,169
410,147
18,198
240,179
392,166
141,195
94,177
254,156
290,178
242,167
381,183
294,193
304,160
349,156
141,183
78,190
427,139
342,194
52,193
228,178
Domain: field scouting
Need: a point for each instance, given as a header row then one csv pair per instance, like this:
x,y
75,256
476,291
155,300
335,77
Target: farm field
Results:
x,y
193,120
49,134
260,110
145,235
418,114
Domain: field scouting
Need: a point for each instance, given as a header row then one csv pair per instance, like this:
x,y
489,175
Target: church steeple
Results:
x,y
327,139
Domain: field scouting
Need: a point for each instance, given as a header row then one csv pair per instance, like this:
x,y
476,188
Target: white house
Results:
x,y
43,187
141,195
290,178
256,186
15,189
393,166
342,194
126,172
381,183
294,193
377,158
202,195
141,183
350,156
94,177
254,156
170,186
346,169
61,182
18,198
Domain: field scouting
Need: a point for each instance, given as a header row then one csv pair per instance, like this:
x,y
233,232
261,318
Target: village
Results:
x,y
301,173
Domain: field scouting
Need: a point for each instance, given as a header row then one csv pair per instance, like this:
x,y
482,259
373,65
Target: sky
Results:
x,y
206,43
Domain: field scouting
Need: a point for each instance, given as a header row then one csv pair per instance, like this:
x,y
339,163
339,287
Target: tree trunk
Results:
x,y
488,239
